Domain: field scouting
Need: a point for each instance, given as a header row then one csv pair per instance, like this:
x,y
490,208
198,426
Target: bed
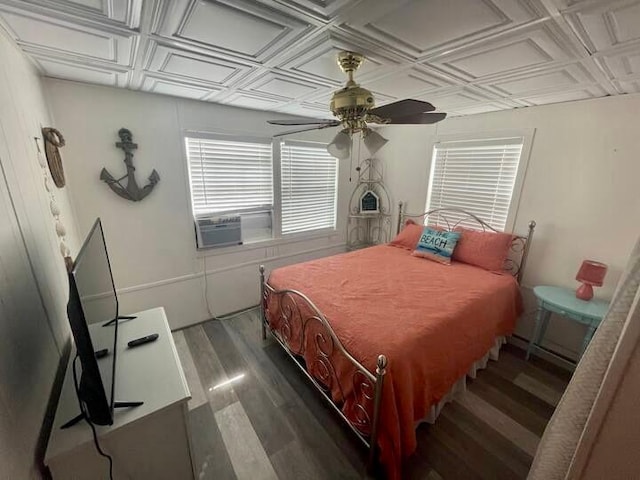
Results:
x,y
385,336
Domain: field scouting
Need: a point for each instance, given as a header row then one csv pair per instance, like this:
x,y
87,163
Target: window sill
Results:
x,y
329,234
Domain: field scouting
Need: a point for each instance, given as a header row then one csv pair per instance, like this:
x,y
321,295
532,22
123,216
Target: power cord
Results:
x,y
85,415
206,290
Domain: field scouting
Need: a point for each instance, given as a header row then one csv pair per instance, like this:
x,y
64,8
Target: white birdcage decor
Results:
x,y
369,208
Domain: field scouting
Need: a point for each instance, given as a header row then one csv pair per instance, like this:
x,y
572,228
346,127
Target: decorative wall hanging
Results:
x,y
61,231
53,140
131,191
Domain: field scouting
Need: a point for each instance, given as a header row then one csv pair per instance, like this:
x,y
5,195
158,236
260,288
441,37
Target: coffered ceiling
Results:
x,y
464,56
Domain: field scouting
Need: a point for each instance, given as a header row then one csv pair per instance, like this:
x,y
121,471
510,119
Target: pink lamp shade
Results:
x,y
591,273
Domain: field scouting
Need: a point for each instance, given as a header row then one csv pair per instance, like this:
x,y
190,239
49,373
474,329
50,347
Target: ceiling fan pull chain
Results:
x,y
351,164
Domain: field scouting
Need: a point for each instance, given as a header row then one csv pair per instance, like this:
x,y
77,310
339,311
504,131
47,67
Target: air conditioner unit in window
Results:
x,y
218,231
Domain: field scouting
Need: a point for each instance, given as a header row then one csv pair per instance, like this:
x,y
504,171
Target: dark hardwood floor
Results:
x,y
253,415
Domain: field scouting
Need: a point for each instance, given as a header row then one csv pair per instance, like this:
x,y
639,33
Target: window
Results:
x,y
276,189
233,176
309,187
476,175
229,175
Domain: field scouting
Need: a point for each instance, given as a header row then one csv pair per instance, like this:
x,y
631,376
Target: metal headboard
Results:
x,y
520,246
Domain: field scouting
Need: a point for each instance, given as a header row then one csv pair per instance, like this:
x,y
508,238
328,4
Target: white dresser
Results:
x,y
146,442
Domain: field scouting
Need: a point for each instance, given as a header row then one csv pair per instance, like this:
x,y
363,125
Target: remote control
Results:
x,y
102,353
143,340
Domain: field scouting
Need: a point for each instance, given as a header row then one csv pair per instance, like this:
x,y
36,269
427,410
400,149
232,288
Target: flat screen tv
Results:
x,y
93,301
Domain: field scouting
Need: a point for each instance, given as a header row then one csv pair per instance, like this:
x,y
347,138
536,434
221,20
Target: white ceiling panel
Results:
x,y
243,29
565,96
408,82
512,56
284,88
454,98
125,13
167,87
99,5
297,109
31,31
629,86
193,67
64,38
542,81
188,66
464,56
249,100
605,24
620,63
625,20
480,108
215,24
417,28
525,50
324,10
559,78
315,110
93,74
278,85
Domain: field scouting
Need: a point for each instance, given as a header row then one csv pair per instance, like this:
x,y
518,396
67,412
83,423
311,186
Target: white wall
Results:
x,y
582,187
33,284
151,243
582,173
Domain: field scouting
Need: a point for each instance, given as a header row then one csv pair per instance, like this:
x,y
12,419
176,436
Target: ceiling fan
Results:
x,y
354,109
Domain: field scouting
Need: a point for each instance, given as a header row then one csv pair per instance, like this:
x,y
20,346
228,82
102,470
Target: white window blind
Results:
x,y
229,176
477,176
309,185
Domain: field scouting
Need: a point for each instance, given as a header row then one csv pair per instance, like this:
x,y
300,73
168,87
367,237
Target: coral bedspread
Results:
x,y
432,321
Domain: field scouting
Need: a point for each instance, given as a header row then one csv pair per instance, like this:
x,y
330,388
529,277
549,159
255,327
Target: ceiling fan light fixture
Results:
x,y
354,108
340,146
373,141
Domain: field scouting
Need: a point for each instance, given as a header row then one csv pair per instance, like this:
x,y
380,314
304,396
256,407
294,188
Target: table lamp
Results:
x,y
590,273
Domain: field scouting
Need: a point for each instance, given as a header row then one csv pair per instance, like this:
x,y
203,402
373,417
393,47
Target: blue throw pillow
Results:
x,y
436,245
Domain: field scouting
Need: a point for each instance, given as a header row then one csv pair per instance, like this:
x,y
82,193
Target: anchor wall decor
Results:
x,y
131,191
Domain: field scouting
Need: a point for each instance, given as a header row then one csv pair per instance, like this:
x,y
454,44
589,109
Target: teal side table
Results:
x,y
563,301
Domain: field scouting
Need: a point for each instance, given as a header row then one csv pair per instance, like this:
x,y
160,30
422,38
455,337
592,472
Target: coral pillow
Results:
x,y
437,245
408,236
486,250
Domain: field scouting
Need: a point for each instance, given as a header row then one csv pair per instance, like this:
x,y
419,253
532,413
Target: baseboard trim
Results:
x,y
215,271
552,357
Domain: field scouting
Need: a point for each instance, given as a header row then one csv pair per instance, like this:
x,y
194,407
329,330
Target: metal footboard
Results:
x,y
305,334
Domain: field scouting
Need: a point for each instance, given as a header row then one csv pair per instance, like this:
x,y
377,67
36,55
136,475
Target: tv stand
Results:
x,y
119,317
81,416
148,441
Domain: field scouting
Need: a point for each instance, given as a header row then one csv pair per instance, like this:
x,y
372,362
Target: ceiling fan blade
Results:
x,y
316,127
402,108
418,119
304,121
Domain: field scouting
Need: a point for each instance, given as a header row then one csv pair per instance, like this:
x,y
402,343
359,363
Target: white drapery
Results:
x,y
565,447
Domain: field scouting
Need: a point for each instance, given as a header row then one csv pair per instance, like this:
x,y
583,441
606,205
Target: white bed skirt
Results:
x,y
461,385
